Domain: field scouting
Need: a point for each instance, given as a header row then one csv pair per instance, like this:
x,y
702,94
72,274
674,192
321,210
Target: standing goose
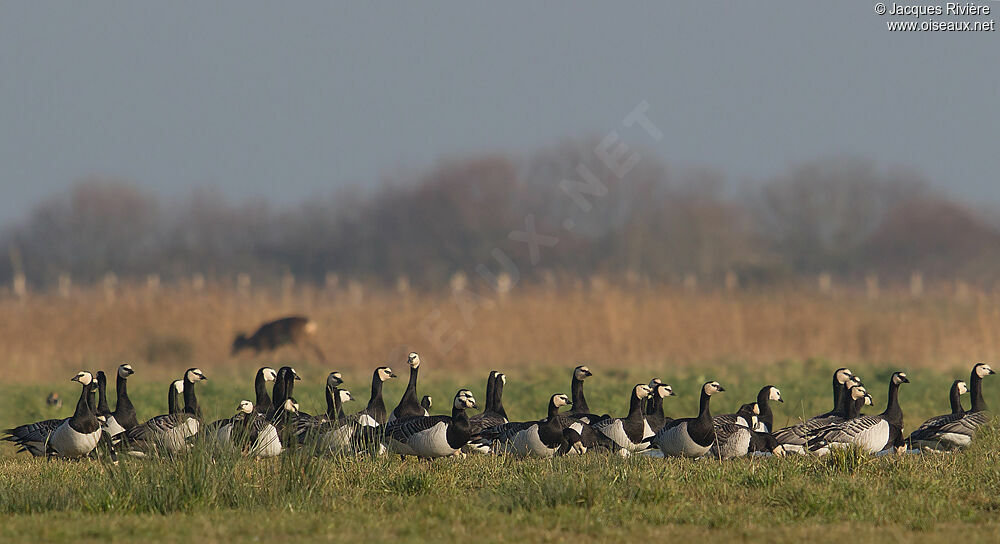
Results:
x,y
74,436
434,436
795,437
693,436
580,406
374,414
494,414
124,416
541,438
630,433
408,405
871,433
958,430
171,431
263,400
654,406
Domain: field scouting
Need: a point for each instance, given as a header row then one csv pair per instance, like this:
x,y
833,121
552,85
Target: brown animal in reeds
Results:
x,y
294,330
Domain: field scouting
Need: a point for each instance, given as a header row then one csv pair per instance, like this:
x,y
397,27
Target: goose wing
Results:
x,y
157,426
967,424
800,434
33,432
403,429
846,431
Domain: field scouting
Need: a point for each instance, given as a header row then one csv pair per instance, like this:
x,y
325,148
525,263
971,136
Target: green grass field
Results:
x,y
203,498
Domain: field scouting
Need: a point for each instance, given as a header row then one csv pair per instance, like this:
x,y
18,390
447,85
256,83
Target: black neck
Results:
x,y
764,404
654,405
121,395
893,413
854,406
190,401
976,392
172,407
839,394
579,401
459,431
634,407
331,404
489,391
498,397
102,397
278,391
553,409
83,405
260,390
703,412
375,402
955,396
410,394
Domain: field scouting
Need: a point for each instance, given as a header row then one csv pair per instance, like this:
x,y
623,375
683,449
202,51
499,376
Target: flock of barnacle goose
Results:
x,y
274,423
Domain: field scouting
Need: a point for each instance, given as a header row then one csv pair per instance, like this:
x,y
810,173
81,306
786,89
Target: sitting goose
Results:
x,y
171,431
74,436
871,433
426,402
693,436
174,405
408,405
264,374
795,437
734,440
124,416
374,414
741,417
307,427
252,433
433,436
654,406
338,435
765,417
632,432
958,430
541,438
919,437
284,384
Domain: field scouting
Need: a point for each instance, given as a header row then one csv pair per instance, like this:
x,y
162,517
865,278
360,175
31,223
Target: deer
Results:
x,y
295,330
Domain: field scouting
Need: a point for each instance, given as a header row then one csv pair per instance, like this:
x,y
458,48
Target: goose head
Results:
x,y
464,399
85,378
125,370
334,379
345,395
582,372
899,377
560,400
194,375
294,373
641,390
962,387
269,374
842,375
755,408
711,388
774,394
426,402
982,370
654,383
244,407
664,390
178,386
291,406
384,373
413,360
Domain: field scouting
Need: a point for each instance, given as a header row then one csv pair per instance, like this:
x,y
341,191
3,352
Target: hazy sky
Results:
x,y
287,100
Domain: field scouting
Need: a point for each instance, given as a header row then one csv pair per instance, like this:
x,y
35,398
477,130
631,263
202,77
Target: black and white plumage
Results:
x,y
262,404
338,435
870,433
654,406
124,416
958,429
374,414
171,432
284,386
75,436
433,436
174,405
734,440
765,417
795,437
632,432
409,405
542,438
494,414
741,417
581,409
690,437
426,402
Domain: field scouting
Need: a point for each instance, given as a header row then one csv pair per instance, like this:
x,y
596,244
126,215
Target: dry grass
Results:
x,y
45,335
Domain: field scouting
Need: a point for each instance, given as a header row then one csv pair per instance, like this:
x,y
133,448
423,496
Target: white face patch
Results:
x,y
345,395
983,370
503,379
125,370
385,373
560,400
654,383
642,391
581,372
269,374
195,375
413,360
756,409
962,388
291,406
83,377
245,406
775,394
179,386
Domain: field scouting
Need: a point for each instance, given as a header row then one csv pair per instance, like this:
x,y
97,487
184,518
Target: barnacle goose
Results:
x,y
253,433
690,437
580,406
124,416
924,435
174,405
654,406
765,417
409,405
337,435
426,402
958,429
334,407
171,431
374,414
263,400
541,438
74,436
433,436
494,414
736,440
871,433
284,385
795,437
741,417
630,433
